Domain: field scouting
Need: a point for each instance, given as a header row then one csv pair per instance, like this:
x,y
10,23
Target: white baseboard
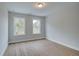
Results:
x,y
26,40
61,43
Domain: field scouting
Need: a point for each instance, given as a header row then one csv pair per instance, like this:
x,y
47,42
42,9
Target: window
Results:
x,y
36,26
19,26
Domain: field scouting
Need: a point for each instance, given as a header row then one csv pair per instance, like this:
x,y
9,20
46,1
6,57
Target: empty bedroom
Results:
x,y
39,28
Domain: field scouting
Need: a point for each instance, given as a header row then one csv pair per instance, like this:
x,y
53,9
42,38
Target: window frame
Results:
x,y
39,26
14,25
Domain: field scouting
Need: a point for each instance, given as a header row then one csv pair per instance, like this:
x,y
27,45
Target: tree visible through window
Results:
x,y
19,26
36,26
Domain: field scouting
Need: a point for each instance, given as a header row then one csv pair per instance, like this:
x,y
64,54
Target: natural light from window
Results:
x,y
36,26
19,26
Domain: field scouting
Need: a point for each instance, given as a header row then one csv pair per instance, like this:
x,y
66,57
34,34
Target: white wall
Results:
x,y
28,28
62,25
3,28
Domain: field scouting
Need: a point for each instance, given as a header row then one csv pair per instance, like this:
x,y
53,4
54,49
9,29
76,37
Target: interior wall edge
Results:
x,y
61,43
26,40
2,53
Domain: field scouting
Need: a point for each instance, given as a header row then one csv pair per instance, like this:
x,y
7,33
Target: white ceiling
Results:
x,y
28,8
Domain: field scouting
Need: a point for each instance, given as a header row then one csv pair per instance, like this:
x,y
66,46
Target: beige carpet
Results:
x,y
39,48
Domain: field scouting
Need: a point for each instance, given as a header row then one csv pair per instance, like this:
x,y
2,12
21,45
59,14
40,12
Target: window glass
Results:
x,y
19,26
36,26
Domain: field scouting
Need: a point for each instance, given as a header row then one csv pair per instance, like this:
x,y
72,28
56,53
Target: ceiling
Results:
x,y
28,8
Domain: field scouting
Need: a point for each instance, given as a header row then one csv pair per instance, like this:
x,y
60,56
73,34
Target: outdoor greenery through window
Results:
x,y
36,26
19,26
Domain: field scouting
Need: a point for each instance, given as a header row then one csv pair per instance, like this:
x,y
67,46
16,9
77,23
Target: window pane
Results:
x,y
36,26
19,26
